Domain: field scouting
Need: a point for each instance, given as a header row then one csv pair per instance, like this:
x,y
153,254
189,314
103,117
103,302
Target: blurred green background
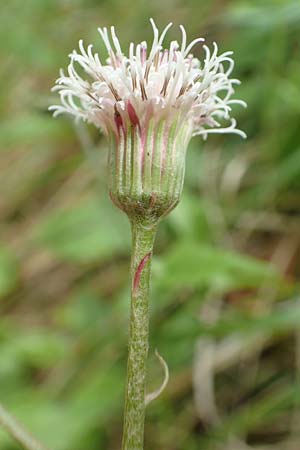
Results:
x,y
225,310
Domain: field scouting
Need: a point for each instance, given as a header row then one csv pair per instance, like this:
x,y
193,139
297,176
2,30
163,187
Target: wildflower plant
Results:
x,y
148,103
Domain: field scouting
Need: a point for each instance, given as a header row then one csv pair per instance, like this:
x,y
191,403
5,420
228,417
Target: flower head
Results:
x,y
156,83
149,104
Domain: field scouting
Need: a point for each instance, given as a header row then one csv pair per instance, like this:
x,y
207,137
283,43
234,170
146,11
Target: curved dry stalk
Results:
x,y
153,395
18,432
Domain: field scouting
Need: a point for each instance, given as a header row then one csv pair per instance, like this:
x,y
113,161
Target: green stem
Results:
x,y
143,236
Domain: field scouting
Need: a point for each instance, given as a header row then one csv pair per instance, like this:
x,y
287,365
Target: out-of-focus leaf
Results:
x,y
287,173
8,271
39,349
192,264
262,17
84,312
255,414
94,230
285,318
28,129
189,219
280,320
97,400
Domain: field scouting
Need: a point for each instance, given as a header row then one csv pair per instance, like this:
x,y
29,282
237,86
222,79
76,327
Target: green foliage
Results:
x,y
224,313
280,320
89,232
8,271
192,264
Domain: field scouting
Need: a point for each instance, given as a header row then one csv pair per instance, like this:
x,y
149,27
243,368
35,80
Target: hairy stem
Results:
x,y
143,236
18,432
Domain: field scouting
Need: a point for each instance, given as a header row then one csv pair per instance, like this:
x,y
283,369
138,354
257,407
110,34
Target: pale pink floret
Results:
x,y
149,85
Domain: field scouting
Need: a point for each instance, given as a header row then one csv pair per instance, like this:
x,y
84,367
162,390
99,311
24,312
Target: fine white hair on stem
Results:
x,y
156,84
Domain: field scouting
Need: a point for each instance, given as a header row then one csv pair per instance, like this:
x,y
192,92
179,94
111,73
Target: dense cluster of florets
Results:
x,y
157,83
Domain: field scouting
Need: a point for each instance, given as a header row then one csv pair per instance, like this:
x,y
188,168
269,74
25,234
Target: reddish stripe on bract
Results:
x,y
132,115
118,119
139,270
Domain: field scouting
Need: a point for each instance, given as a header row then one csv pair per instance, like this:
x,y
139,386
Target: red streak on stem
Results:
x,y
139,270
